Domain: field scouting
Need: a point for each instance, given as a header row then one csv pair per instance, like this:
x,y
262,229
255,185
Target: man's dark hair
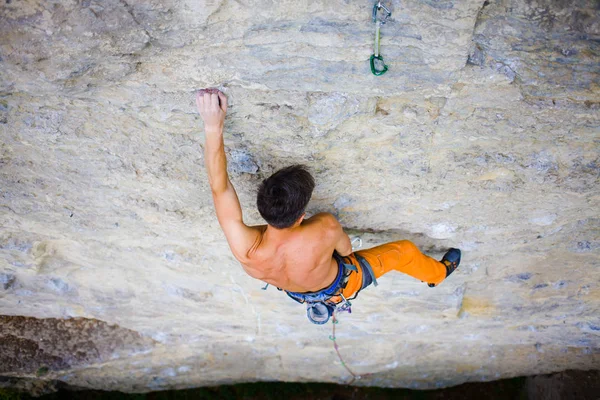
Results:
x,y
283,197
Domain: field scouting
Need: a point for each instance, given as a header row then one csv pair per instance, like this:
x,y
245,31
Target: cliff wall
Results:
x,y
483,135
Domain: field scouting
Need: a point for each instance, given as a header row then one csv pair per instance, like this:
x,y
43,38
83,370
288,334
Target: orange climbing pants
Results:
x,y
402,256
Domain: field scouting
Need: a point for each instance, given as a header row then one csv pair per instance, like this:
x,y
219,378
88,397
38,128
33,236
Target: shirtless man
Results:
x,y
309,258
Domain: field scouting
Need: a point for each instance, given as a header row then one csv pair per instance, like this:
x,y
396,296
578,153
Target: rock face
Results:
x,y
484,135
31,345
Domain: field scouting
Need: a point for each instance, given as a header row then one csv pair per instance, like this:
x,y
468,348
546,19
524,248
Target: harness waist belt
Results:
x,y
331,290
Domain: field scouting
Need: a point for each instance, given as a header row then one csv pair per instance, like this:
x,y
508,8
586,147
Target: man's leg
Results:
x,y
405,257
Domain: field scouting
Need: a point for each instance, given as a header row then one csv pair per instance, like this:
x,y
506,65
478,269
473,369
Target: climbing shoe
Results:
x,y
451,260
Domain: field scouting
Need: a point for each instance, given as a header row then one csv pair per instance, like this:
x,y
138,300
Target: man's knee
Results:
x,y
407,248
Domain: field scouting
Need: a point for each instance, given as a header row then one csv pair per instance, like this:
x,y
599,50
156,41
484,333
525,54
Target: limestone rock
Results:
x,y
482,135
38,346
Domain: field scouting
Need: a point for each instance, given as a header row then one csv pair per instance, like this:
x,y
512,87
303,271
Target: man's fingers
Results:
x,y
199,100
223,100
207,101
210,101
214,101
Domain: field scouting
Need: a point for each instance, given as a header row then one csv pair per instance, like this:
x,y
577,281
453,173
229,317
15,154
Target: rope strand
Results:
x,y
335,346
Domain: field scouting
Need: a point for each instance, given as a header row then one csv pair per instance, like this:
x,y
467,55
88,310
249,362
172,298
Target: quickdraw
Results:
x,y
378,66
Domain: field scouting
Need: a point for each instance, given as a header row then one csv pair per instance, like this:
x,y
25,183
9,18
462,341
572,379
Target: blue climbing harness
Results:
x,y
321,304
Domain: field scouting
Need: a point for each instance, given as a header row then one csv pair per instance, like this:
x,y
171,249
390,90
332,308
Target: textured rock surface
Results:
x,y
482,135
30,345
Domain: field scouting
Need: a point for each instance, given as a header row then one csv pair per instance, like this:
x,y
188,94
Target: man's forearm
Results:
x,y
216,161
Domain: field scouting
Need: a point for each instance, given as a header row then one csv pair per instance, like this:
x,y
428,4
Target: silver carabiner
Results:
x,y
378,6
357,246
345,305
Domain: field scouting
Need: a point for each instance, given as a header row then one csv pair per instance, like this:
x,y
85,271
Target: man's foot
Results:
x,y
451,260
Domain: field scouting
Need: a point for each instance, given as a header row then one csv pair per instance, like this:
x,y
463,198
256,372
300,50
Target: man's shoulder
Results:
x,y
323,222
324,218
245,246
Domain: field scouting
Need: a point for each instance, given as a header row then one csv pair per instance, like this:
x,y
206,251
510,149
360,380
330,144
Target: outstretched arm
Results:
x,y
212,108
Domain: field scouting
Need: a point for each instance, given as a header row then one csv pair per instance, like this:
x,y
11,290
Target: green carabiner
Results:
x,y
374,70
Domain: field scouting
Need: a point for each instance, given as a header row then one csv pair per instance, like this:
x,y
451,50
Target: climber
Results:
x,y
311,259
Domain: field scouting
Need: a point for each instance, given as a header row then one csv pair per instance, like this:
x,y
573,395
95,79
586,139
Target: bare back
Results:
x,y
297,259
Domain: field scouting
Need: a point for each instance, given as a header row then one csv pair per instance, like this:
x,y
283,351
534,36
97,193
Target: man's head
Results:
x,y
283,197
